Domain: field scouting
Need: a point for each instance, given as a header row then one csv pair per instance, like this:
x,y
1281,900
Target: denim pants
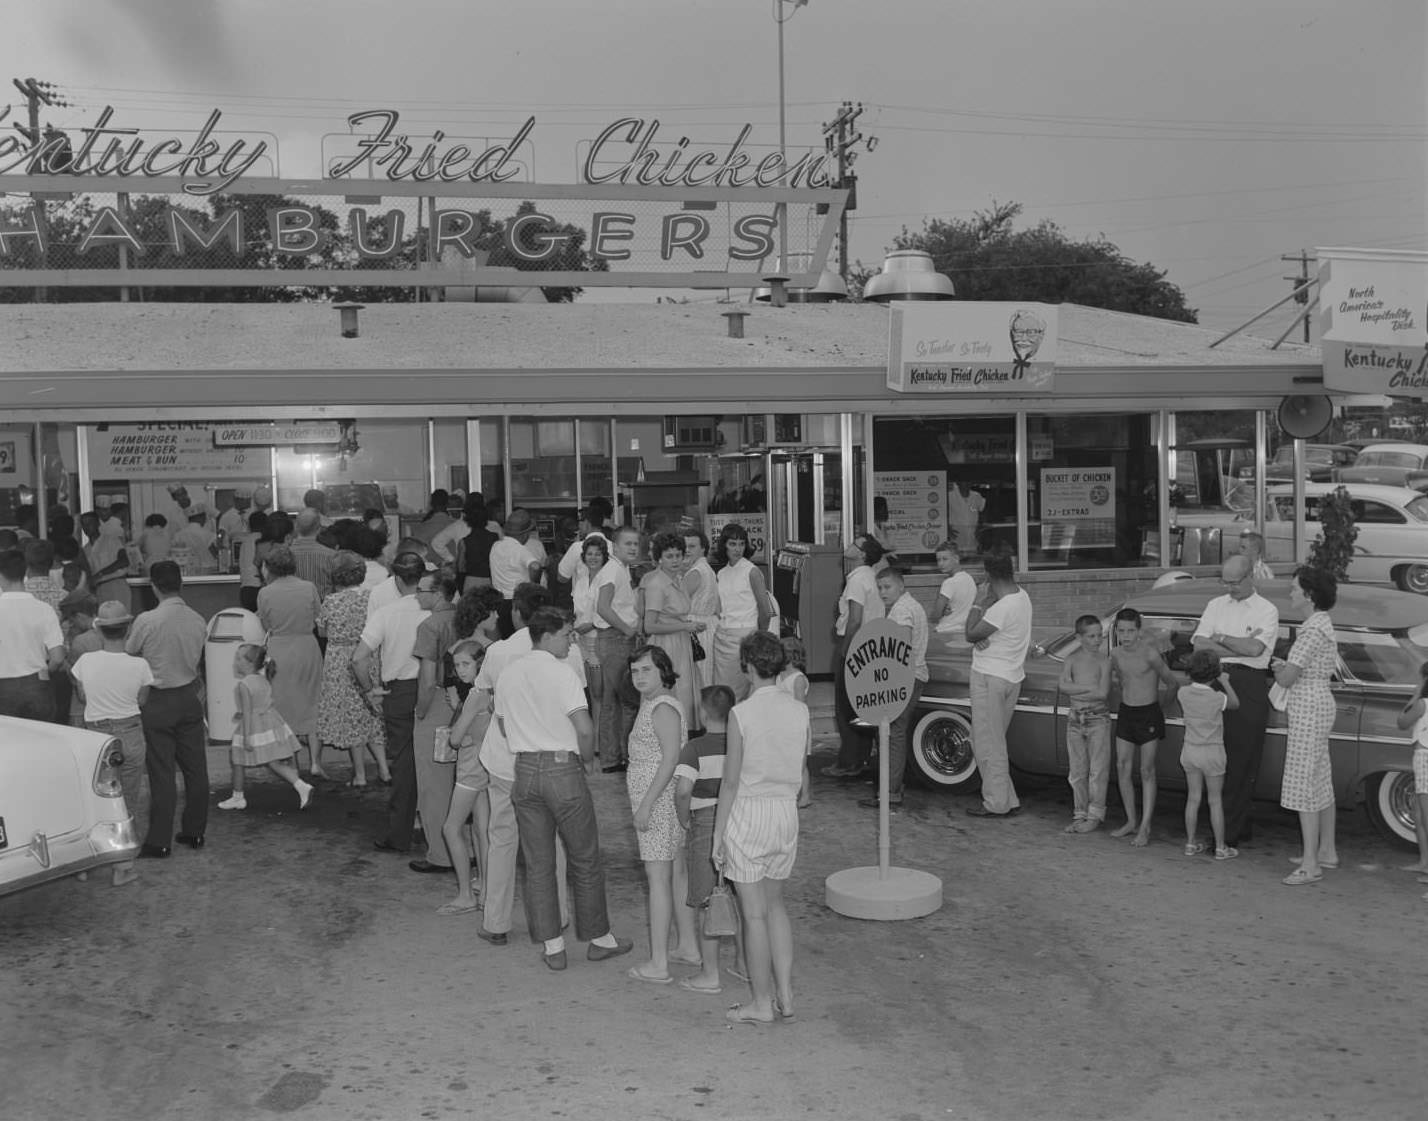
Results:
x,y
498,878
177,741
129,732
993,705
552,801
399,720
1088,748
617,703
855,746
898,731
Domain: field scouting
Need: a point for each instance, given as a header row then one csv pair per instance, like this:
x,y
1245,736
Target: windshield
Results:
x,y
1380,657
1389,459
1417,508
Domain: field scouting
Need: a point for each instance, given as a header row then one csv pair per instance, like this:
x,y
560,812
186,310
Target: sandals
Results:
x,y
1299,877
1225,852
743,1014
1194,848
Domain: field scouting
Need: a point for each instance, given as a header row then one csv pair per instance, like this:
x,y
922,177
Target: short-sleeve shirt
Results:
x,y
170,638
1004,655
510,565
1203,708
535,698
573,559
616,573
862,587
111,683
701,761
1251,617
29,629
907,612
959,590
391,631
496,754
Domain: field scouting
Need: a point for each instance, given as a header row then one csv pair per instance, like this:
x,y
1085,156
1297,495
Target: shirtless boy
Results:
x,y
1140,723
1086,679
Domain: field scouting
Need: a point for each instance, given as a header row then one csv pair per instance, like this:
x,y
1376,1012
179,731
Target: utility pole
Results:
x,y
1301,295
839,141
38,93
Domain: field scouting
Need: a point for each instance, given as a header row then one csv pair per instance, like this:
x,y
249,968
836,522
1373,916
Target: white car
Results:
x,y
61,808
1394,465
1392,545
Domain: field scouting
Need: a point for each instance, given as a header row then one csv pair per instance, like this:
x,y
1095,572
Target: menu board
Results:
x,y
757,526
175,450
1078,507
917,509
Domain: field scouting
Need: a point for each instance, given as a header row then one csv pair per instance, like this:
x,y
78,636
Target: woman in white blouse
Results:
x,y
743,606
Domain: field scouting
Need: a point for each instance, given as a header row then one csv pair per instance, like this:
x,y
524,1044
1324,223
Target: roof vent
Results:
x,y
907,274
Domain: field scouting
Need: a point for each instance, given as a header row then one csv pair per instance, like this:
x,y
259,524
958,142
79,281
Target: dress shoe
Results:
x,y
615,768
192,840
555,961
385,845
982,811
487,936
427,866
154,852
597,952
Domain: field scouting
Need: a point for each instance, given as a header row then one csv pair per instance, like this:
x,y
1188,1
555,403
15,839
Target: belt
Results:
x,y
173,688
552,754
107,722
24,677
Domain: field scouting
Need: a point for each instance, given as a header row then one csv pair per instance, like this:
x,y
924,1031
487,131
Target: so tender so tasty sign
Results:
x,y
980,347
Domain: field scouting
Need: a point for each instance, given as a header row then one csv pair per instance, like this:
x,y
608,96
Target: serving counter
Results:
x,y
207,594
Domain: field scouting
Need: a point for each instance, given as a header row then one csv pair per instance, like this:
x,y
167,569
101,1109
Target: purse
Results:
x,y
443,751
699,654
721,913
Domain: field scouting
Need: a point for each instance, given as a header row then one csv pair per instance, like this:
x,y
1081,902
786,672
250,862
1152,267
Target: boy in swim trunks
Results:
x,y
1140,723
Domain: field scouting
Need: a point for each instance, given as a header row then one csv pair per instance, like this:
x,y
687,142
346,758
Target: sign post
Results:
x,y
879,674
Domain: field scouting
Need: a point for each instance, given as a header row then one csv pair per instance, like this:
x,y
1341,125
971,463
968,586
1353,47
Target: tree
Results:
x,y
988,260
1333,549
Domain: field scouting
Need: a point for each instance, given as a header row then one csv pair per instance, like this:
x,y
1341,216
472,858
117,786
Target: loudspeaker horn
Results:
x,y
1304,417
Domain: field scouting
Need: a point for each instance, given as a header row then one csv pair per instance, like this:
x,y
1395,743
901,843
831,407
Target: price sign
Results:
x,y
878,672
7,457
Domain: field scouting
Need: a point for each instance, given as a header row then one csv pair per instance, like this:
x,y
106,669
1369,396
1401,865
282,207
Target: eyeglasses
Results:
x,y
1234,583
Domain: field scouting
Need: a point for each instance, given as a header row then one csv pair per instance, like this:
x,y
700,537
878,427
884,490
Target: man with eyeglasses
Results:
x,y
1241,627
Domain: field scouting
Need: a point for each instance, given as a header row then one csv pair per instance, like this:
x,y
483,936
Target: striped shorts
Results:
x,y
761,839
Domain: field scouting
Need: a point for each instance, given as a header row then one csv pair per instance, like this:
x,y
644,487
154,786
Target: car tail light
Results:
x,y
106,771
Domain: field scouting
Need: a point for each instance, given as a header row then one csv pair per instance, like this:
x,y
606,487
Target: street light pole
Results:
x,y
781,210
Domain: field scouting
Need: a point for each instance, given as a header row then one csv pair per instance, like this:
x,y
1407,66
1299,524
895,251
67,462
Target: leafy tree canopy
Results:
x,y
989,260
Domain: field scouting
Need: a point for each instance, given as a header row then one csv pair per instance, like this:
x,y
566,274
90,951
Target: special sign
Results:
x,y
878,671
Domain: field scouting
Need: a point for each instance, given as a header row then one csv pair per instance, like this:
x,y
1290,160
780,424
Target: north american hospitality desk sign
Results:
x,y
111,205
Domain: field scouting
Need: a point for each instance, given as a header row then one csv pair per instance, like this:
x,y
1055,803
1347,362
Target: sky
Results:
x,y
1207,138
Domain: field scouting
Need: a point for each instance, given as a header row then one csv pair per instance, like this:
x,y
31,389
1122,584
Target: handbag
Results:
x,y
443,751
721,913
1278,696
699,654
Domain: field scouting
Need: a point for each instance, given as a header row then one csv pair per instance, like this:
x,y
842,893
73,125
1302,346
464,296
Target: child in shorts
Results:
x,y
1140,722
696,797
1086,679
1202,755
469,795
1415,715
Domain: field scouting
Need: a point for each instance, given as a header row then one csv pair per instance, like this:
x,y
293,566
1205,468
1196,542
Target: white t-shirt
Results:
x,y
862,587
1005,653
496,754
616,573
29,630
111,681
511,561
535,699
959,590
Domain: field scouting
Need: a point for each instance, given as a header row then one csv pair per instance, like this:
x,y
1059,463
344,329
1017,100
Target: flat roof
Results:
x,y
578,336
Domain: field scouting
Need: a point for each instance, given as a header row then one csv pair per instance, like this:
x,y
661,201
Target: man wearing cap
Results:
x,y
314,559
170,638
31,645
389,638
514,561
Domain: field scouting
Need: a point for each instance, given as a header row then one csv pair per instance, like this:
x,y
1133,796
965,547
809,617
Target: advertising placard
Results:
x,y
917,508
757,526
1078,507
276,435
977,347
1373,307
169,451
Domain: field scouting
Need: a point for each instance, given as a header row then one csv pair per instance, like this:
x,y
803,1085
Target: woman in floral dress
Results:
x,y
667,622
1308,786
344,719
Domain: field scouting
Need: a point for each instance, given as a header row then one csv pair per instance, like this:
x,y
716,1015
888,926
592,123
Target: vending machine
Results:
x,y
807,580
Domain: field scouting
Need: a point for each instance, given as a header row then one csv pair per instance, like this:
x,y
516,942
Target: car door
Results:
x,y
1385,536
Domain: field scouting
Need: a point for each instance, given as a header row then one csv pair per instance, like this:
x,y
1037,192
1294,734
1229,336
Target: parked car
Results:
x,y
1383,640
1392,464
1392,544
61,808
1320,462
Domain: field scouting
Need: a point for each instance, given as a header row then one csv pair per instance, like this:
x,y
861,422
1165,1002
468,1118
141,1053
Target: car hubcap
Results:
x,y
1415,579
1395,800
947,748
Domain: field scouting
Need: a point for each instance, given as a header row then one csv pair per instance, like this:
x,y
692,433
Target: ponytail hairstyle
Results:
x,y
258,656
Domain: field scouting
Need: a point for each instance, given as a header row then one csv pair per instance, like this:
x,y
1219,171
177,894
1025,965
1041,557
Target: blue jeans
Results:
x,y
551,799
993,706
618,703
898,729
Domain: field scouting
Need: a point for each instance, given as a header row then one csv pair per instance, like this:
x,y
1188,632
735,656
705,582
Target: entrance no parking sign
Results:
x,y
878,671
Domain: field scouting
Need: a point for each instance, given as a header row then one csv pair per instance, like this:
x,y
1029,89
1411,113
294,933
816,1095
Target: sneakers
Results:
x,y
234,802
1225,852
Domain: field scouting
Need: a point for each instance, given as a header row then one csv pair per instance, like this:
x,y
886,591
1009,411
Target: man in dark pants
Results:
x,y
391,632
170,638
1242,628
31,644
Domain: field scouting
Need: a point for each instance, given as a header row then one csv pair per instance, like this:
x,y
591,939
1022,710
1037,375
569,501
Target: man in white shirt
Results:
x,y
514,561
905,611
1000,635
499,876
31,645
1242,628
1252,547
592,524
389,637
541,709
858,602
616,625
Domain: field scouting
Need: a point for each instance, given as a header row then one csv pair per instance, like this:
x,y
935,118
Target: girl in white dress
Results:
x,y
743,607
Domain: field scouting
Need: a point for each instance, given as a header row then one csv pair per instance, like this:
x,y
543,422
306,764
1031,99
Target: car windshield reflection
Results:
x,y
1384,658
